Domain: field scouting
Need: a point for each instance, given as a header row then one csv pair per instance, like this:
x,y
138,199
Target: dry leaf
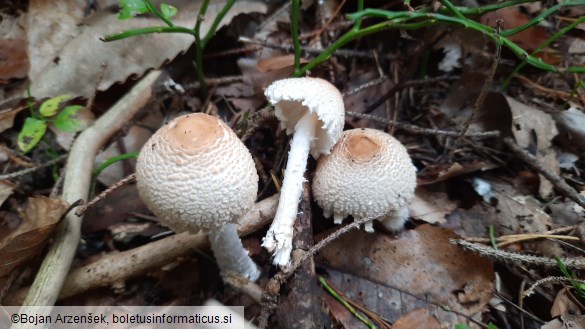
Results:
x,y
13,59
529,39
42,216
7,117
80,59
534,130
564,304
277,63
6,189
50,25
417,318
430,207
421,262
571,125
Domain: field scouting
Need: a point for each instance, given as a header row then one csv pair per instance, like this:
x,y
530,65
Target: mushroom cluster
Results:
x,y
313,110
195,174
367,174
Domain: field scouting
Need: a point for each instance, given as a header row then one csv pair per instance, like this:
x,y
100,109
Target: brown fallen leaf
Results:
x,y
417,318
564,304
534,130
7,117
6,188
420,262
529,39
41,217
80,59
13,59
430,207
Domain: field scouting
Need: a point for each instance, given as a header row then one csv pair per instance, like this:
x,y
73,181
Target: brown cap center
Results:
x,y
195,131
362,148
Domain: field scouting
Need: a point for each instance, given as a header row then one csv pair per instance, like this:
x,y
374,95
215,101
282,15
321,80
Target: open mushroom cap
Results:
x,y
368,173
195,174
292,98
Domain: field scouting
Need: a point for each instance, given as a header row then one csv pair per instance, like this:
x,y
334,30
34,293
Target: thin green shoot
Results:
x,y
347,305
112,160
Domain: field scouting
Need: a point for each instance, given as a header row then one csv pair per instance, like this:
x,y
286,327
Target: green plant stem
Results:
x,y
452,9
199,46
216,22
493,237
113,160
427,19
294,32
542,16
158,14
147,30
350,308
545,44
358,22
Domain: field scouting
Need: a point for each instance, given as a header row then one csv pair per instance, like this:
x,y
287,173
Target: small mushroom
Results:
x,y
195,174
313,110
367,174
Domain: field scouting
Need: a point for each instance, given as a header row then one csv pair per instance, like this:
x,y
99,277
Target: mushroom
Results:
x,y
313,110
195,174
368,174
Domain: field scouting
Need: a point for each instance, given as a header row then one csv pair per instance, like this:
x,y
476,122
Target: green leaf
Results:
x,y
65,120
50,107
31,134
131,8
461,326
492,326
167,10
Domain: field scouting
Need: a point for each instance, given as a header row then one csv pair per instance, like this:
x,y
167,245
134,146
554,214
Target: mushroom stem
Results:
x,y
279,237
230,254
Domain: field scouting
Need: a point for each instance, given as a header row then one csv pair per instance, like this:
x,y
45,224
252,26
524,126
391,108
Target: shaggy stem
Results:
x,y
230,254
279,237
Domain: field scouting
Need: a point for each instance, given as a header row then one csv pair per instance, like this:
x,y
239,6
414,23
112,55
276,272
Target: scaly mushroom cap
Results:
x,y
368,173
294,97
195,174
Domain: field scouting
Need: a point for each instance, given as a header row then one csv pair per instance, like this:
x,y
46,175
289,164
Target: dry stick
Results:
x,y
420,130
365,86
33,169
270,296
504,256
404,85
313,51
557,181
49,280
81,210
485,88
120,266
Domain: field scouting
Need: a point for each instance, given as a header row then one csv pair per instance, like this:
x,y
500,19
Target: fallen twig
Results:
x,y
557,181
120,266
54,269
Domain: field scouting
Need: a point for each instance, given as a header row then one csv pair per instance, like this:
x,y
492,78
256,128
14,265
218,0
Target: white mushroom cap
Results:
x,y
368,174
294,97
195,174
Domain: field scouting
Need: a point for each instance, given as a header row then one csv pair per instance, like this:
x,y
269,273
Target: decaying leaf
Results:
x,y
6,189
80,59
42,216
49,27
7,117
529,39
564,304
430,207
13,59
417,318
571,125
534,130
421,262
